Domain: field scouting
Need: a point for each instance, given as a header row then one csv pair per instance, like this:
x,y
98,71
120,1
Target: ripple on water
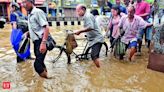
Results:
x,y
10,52
3,50
1,55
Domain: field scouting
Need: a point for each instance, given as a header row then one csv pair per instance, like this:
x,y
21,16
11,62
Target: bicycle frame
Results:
x,y
83,55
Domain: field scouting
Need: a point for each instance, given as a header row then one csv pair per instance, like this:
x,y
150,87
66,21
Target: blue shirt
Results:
x,y
13,17
122,9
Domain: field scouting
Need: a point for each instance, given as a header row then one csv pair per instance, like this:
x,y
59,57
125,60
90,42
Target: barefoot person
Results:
x,y
38,30
92,31
131,24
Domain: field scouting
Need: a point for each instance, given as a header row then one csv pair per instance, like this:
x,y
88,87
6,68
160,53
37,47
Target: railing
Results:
x,y
50,19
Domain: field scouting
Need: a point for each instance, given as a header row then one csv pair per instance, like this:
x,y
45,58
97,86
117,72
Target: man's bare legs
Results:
x,y
132,52
97,62
44,74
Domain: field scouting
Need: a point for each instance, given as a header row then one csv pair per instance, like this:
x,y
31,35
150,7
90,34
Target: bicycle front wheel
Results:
x,y
58,54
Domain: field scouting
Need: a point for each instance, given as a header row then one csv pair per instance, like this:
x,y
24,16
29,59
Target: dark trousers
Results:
x,y
95,50
19,59
39,61
111,41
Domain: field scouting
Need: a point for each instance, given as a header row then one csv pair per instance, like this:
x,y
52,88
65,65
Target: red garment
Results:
x,y
142,7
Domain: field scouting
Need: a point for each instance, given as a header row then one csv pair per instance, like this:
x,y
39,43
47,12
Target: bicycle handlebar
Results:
x,y
70,32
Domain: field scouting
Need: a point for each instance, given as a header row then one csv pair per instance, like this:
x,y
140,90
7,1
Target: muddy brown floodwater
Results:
x,y
113,76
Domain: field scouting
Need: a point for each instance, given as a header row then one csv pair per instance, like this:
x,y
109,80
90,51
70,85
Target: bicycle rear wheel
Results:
x,y
58,54
103,51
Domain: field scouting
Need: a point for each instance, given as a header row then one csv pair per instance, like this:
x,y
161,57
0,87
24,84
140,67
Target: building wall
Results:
x,y
4,11
5,6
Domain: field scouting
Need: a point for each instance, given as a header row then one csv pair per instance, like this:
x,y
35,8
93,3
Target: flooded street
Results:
x,y
113,76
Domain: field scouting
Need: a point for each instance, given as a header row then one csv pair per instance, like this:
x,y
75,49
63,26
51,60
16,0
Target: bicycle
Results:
x,y
60,54
86,53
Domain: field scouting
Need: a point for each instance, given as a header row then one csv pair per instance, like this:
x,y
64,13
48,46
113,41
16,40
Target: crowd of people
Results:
x,y
130,21
134,19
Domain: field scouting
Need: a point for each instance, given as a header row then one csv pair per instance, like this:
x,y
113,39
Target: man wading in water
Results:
x,y
39,31
92,31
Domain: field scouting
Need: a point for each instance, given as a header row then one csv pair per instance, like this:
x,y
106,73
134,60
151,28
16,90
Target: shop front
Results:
x,y
5,7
